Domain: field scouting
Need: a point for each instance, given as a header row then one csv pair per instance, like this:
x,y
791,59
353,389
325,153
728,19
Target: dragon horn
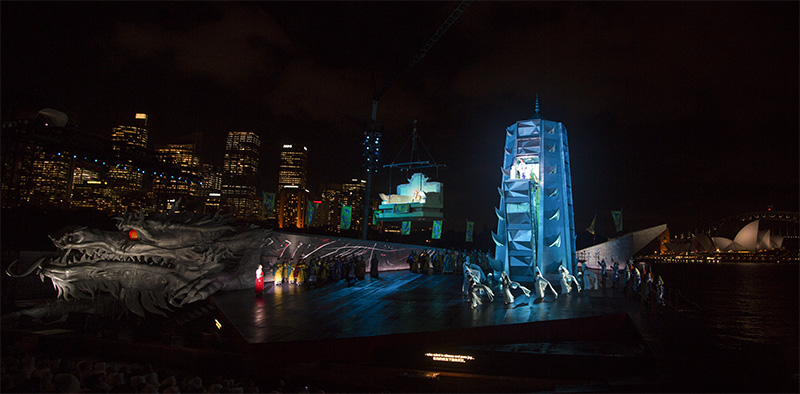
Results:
x,y
30,269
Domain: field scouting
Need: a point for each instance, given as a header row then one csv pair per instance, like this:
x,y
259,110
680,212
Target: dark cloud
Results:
x,y
238,46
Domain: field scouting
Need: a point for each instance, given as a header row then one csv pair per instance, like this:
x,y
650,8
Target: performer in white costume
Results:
x,y
471,270
590,280
542,284
476,289
567,280
508,284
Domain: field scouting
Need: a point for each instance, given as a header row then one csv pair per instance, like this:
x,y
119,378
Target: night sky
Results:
x,y
677,112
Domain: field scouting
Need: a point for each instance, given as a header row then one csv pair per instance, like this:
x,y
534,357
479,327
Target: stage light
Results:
x,y
218,324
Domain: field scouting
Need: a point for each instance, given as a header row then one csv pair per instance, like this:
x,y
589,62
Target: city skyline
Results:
x,y
677,113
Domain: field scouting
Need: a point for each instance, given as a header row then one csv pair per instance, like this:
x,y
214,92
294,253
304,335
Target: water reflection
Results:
x,y
742,303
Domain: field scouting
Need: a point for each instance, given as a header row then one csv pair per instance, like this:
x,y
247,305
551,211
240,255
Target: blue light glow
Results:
x,y
535,229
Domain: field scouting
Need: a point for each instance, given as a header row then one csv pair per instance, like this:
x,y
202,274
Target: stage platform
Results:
x,y
404,321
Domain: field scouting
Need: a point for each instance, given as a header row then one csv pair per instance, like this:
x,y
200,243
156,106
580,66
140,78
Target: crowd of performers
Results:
x,y
479,275
634,282
317,271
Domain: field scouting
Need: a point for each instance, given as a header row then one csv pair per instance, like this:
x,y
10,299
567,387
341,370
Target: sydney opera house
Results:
x,y
748,239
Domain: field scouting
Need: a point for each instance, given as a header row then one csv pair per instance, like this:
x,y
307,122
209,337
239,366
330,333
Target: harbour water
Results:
x,y
749,312
739,304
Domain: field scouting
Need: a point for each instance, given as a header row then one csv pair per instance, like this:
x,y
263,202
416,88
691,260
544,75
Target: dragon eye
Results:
x,y
133,235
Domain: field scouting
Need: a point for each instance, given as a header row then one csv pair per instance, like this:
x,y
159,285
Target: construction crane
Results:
x,y
372,136
418,56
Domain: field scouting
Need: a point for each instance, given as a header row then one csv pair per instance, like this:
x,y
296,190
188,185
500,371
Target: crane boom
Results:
x,y
419,55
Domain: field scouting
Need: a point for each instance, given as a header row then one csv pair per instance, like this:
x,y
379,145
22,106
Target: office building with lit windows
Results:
x,y
292,193
292,201
335,195
294,160
329,209
211,188
125,179
49,180
240,172
127,141
168,189
90,190
353,195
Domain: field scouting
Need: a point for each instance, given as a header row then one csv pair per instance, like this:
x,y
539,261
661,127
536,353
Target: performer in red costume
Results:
x,y
259,281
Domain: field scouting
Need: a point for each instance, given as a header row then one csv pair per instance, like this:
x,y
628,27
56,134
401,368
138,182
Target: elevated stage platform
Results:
x,y
417,331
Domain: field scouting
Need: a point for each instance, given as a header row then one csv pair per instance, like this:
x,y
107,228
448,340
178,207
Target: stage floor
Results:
x,y
399,302
401,320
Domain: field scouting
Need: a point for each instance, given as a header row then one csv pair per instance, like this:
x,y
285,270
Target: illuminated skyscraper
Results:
x,y
535,228
292,202
125,179
90,190
240,174
292,193
127,141
50,180
353,195
211,189
293,166
329,208
168,189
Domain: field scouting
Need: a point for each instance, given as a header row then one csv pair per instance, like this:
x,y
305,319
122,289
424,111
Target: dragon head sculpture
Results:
x,y
154,264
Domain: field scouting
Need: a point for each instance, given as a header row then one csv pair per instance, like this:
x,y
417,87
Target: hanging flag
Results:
x,y
470,226
591,227
311,211
617,215
344,223
268,202
436,232
406,229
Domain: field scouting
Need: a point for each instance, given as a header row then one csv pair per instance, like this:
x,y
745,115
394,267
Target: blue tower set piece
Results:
x,y
536,225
